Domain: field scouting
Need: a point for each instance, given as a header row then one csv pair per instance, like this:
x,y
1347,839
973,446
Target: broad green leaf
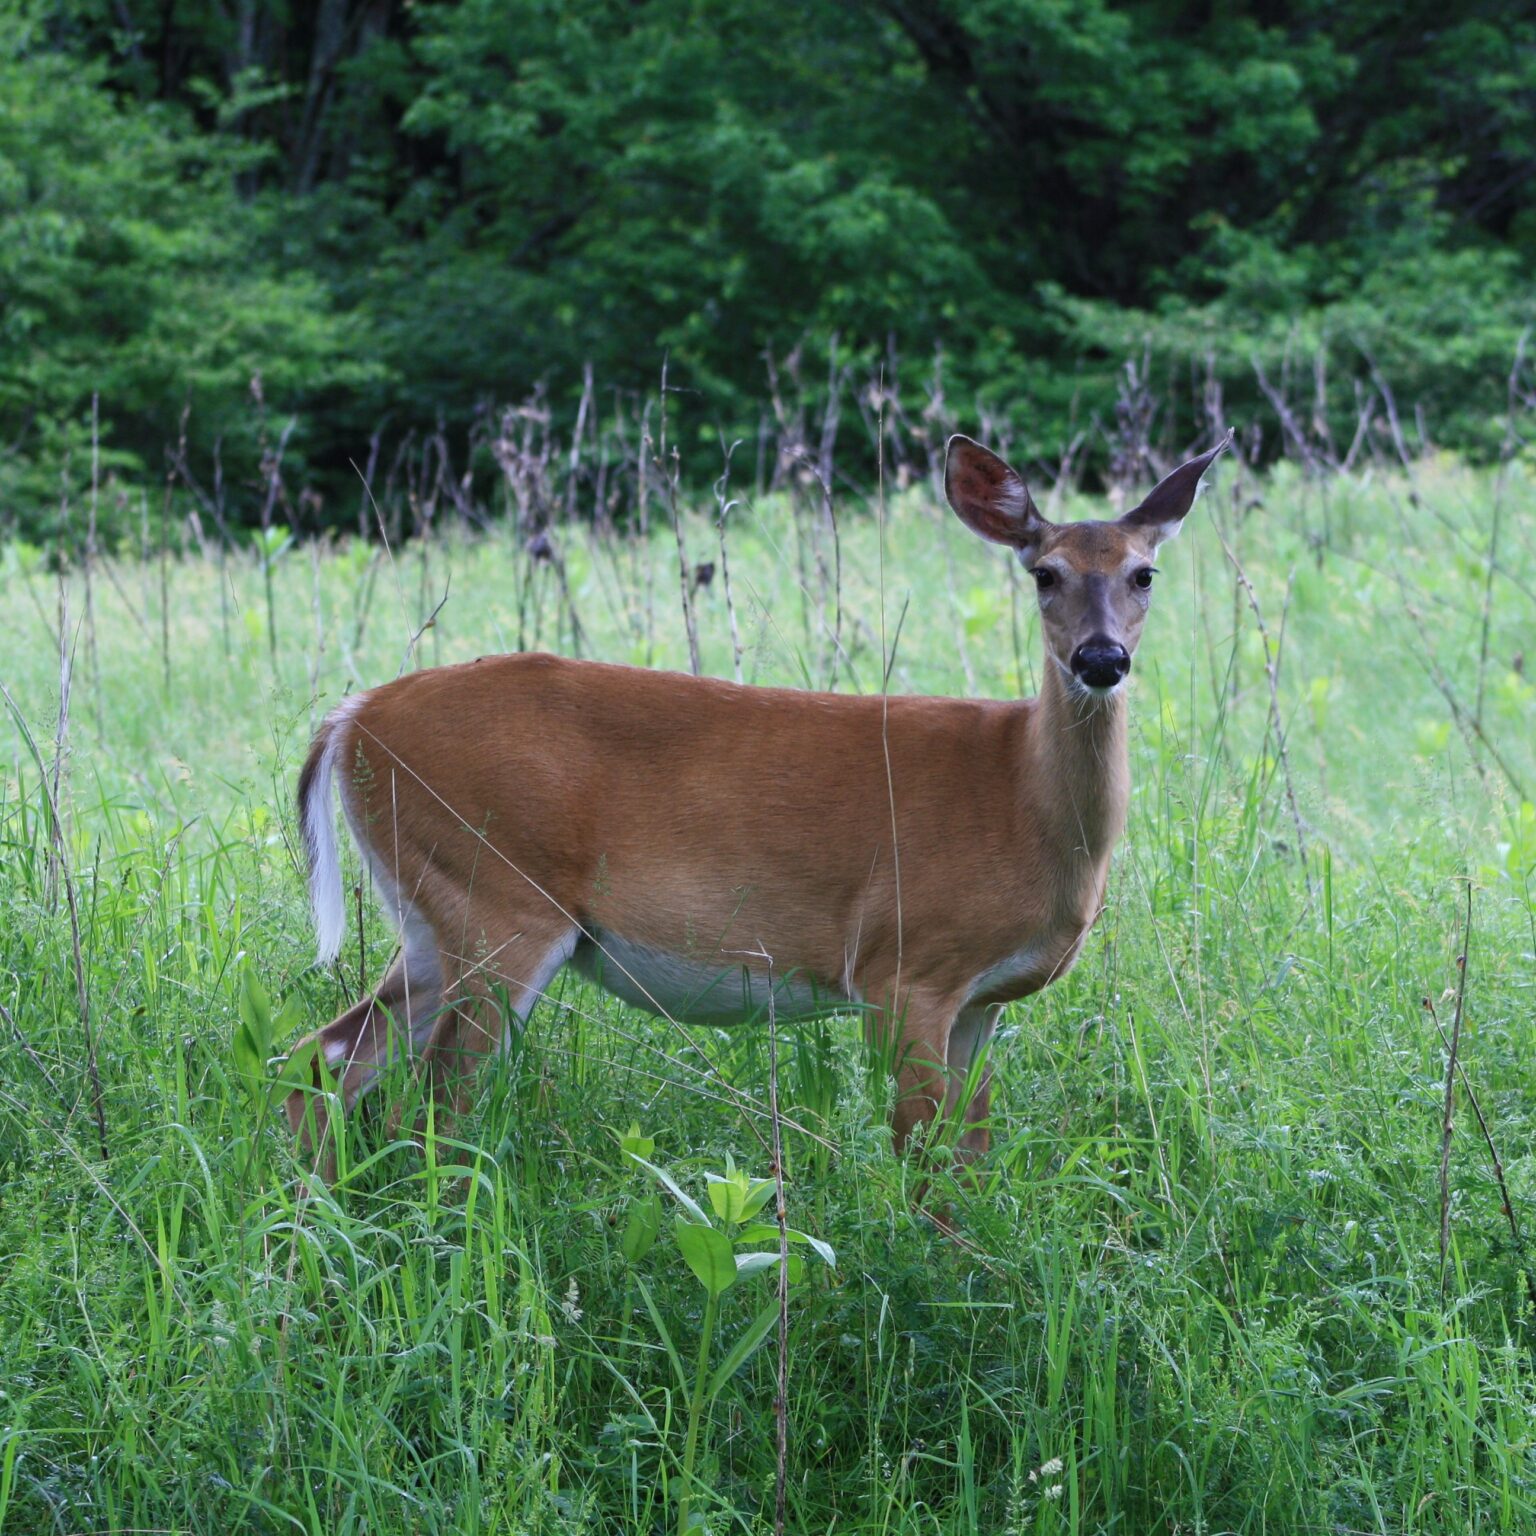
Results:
x,y
757,1197
735,1196
634,1143
763,1232
755,1263
249,1061
728,1196
256,1011
287,1017
691,1205
708,1254
272,543
642,1227
298,1071
253,1034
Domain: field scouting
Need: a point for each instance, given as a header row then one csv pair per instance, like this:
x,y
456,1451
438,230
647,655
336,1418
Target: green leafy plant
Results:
x,y
718,1247
252,1051
271,544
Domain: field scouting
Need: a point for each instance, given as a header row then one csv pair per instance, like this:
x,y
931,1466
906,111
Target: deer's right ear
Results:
x,y
989,498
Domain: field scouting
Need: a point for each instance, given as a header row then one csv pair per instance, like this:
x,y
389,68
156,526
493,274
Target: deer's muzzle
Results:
x,y
1100,663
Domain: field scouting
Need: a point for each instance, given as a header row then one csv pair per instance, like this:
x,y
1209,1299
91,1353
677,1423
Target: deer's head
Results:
x,y
1093,579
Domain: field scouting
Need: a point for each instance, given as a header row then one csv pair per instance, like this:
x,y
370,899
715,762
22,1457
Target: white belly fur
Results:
x,y
697,991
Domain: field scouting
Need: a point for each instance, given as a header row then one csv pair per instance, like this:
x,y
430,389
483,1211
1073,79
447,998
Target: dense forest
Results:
x,y
225,220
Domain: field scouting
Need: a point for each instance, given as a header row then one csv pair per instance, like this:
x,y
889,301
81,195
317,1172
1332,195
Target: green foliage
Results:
x,y
397,214
132,268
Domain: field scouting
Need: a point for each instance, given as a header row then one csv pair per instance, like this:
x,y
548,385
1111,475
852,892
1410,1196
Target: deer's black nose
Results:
x,y
1100,663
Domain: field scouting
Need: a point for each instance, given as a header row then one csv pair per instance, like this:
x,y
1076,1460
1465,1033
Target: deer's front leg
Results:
x,y
920,1045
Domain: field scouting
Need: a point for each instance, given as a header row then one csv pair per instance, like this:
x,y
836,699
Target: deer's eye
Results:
x,y
1044,577
1143,577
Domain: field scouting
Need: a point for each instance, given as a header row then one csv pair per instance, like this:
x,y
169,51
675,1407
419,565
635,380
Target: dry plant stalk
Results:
x,y
824,472
1452,1053
887,662
1496,1162
724,511
1276,722
1472,732
1507,452
88,561
670,472
430,622
1290,428
319,616
781,1216
36,1060
685,586
165,577
60,741
59,860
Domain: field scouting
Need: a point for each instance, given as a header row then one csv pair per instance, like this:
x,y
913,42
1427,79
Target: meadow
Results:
x,y
1224,1269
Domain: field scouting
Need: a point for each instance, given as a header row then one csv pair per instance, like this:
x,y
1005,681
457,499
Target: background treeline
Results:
x,y
400,216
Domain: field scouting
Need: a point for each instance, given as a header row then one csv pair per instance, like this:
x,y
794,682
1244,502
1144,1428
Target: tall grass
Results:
x,y
1198,1281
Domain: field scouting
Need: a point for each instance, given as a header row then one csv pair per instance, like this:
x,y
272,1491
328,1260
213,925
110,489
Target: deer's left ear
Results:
x,y
1162,513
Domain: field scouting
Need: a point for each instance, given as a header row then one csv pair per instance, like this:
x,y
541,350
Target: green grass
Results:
x,y
1200,1286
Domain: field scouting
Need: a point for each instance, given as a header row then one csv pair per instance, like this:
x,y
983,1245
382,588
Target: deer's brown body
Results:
x,y
690,842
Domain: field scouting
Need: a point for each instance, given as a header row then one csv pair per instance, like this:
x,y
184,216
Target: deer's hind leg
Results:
x,y
498,968
396,1018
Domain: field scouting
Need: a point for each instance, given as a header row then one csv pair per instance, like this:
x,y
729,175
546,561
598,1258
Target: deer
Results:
x,y
704,850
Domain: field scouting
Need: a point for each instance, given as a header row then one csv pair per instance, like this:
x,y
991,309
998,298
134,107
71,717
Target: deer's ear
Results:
x,y
989,498
1162,513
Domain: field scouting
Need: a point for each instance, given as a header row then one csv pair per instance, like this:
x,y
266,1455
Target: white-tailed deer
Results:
x,y
689,843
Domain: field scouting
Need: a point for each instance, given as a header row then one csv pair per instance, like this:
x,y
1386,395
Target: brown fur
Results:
x,y
901,848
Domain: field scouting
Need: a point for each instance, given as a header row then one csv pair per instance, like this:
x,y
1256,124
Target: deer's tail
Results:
x,y
317,818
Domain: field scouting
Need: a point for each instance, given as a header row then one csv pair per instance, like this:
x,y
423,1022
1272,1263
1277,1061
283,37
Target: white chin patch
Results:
x,y
1089,691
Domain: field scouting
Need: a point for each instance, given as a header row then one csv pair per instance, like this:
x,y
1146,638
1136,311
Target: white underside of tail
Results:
x,y
319,820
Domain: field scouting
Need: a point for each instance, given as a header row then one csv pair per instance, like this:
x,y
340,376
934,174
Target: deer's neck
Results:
x,y
1081,770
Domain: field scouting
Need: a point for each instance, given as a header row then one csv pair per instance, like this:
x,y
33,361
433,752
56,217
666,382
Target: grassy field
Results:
x,y
1200,1286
